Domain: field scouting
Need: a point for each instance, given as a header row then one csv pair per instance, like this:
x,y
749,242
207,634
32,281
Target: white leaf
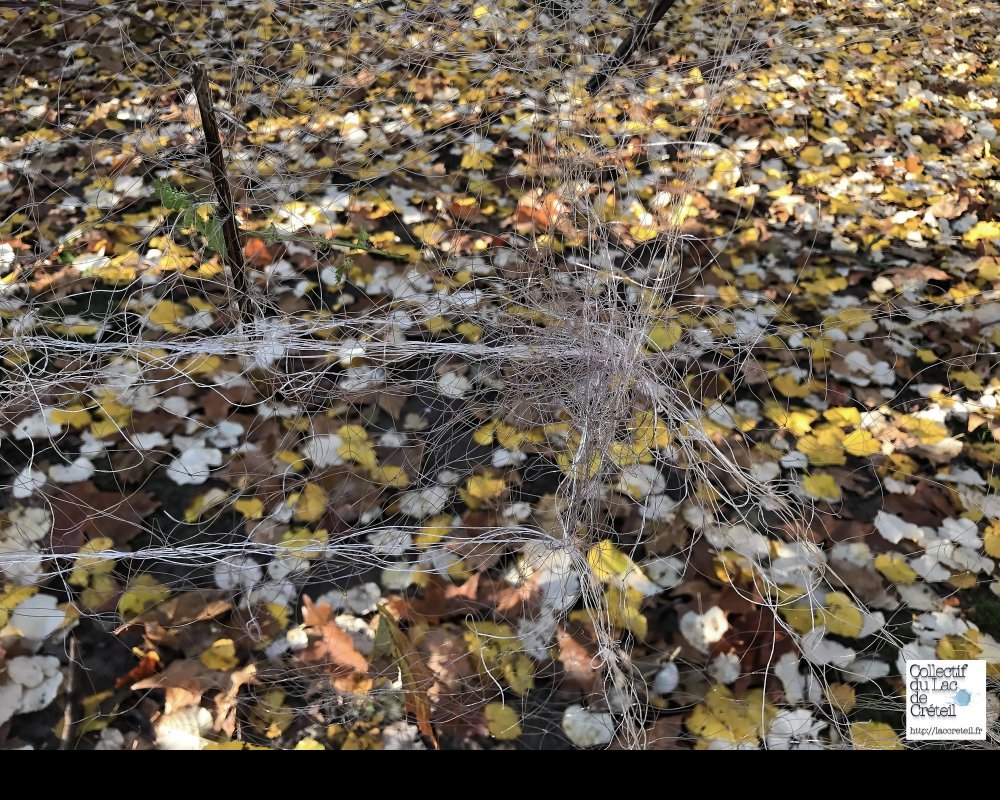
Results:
x,y
10,701
665,571
194,466
862,670
725,668
659,508
821,651
964,476
960,531
27,482
794,729
79,470
895,529
641,480
323,450
391,542
704,630
667,679
20,563
37,617
237,572
184,729
426,502
453,384
586,728
28,524
46,679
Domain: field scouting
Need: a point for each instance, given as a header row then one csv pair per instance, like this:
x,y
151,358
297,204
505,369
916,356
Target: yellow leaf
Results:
x,y
663,337
991,539
624,611
798,423
841,696
959,647
469,330
484,435
844,416
497,654
802,618
86,567
220,655
519,672
81,328
503,722
290,459
429,232
862,443
309,504
477,160
100,590
989,268
821,486
355,447
304,542
309,744
874,736
608,562
926,430
643,233
894,568
199,365
202,503
76,416
789,387
11,598
143,592
982,230
841,616
824,448
272,714
577,466
250,507
390,475
235,744
433,531
480,490
812,155
650,432
167,315
969,379
721,717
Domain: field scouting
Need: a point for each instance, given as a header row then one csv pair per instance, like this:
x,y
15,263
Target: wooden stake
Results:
x,y
226,212
629,45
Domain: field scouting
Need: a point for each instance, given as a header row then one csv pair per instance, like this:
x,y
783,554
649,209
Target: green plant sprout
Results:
x,y
188,208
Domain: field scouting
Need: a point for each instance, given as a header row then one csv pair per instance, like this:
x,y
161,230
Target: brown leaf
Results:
x,y
185,681
577,657
182,609
80,511
444,652
330,645
226,702
258,254
415,675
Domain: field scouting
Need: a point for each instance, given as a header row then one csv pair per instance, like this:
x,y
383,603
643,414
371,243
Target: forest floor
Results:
x,y
261,545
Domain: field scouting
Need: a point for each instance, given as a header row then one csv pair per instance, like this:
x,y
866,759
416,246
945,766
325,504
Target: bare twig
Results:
x,y
67,739
629,45
233,256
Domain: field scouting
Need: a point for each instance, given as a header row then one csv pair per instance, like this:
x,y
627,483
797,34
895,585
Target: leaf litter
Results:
x,y
561,421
